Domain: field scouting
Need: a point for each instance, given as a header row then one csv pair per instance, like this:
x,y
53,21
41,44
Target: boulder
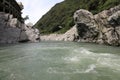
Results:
x,y
87,28
103,27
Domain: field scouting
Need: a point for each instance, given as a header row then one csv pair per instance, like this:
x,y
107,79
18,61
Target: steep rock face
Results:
x,y
32,33
86,25
71,34
103,27
9,33
13,31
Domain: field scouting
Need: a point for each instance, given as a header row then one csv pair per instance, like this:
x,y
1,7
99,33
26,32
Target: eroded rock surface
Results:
x,y
13,31
103,27
70,35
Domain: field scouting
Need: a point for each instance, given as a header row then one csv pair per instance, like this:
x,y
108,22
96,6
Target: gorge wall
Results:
x,y
12,26
102,28
13,31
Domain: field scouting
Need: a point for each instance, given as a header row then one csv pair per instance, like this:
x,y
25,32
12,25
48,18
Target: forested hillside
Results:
x,y
60,18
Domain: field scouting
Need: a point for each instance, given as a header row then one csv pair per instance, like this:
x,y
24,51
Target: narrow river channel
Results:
x,y
59,61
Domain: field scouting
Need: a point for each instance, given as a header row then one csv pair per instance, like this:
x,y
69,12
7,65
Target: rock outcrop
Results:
x,y
103,28
32,33
70,35
13,31
86,25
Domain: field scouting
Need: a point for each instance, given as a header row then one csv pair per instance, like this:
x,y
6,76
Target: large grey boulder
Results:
x,y
103,27
114,21
86,25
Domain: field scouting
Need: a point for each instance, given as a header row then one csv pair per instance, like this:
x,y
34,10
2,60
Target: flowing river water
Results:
x,y
59,61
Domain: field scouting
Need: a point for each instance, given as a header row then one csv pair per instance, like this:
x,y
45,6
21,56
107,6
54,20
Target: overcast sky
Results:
x,y
35,9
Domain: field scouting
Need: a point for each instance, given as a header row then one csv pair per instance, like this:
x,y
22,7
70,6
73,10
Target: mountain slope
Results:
x,y
60,18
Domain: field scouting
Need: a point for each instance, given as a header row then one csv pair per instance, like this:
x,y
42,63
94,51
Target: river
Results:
x,y
59,61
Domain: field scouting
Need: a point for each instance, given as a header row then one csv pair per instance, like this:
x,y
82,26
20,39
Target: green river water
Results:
x,y
59,61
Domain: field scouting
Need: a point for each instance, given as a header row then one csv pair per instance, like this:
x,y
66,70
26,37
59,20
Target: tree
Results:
x,y
26,18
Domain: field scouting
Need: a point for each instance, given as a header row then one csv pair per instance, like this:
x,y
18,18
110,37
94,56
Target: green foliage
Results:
x,y
62,14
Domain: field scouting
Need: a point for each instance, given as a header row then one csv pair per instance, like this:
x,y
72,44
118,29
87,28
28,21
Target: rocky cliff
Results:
x,y
13,31
102,28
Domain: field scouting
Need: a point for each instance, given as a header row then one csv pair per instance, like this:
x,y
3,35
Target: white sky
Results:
x,y
35,9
